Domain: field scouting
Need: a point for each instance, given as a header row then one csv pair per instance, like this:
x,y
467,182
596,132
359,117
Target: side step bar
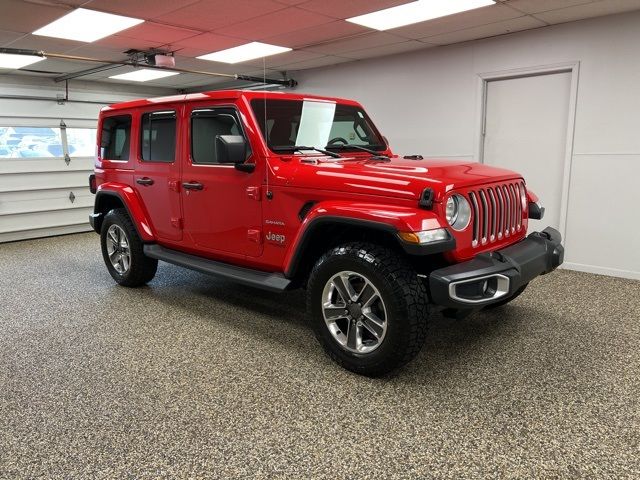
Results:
x,y
274,282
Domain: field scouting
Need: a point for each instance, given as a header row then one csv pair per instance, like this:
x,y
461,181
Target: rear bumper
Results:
x,y
95,220
494,276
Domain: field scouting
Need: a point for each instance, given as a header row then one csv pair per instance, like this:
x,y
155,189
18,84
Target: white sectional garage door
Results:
x,y
46,155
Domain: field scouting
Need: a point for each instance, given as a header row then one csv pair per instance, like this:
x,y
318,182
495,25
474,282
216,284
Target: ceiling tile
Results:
x,y
158,33
60,3
211,14
535,6
276,23
286,58
406,46
211,84
346,9
116,70
201,85
176,81
126,43
20,16
491,30
59,66
317,62
291,2
48,44
7,37
207,66
369,40
96,51
471,18
205,43
313,35
589,10
146,9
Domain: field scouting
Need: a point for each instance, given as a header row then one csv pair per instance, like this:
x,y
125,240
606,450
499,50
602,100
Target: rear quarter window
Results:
x,y
115,138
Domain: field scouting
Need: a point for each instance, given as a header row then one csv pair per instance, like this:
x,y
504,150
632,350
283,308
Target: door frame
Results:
x,y
568,67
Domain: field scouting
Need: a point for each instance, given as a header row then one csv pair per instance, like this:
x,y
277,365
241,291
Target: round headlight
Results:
x,y
452,209
458,212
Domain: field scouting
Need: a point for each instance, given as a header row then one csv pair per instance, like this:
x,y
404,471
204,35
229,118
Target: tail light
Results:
x,y
92,183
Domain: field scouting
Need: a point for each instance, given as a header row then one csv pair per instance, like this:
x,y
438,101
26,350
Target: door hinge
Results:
x,y
176,222
254,235
254,192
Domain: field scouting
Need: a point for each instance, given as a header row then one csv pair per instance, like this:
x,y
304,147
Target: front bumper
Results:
x,y
491,277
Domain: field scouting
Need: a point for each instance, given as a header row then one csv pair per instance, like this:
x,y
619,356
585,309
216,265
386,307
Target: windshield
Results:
x,y
315,123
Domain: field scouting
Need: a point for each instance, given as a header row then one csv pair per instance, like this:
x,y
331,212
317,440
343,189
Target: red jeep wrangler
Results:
x,y
280,191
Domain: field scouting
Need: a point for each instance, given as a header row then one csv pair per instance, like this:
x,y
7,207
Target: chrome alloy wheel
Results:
x,y
354,312
118,249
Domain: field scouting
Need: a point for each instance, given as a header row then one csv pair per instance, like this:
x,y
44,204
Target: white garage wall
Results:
x,y
35,192
428,102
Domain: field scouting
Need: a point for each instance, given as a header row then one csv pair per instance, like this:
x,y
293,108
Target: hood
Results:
x,y
399,177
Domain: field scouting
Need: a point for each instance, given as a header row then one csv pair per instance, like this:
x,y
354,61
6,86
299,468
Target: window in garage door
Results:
x,y
30,142
81,142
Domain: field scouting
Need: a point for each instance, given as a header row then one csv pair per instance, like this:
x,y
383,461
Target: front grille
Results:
x,y
497,212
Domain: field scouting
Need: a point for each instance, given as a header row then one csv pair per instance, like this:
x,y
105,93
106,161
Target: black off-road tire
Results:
x,y
404,296
507,300
142,268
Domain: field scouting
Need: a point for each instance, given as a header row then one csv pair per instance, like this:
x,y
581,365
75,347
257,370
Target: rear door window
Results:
x,y
158,137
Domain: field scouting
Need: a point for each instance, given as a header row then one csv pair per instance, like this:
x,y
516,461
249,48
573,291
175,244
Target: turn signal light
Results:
x,y
424,237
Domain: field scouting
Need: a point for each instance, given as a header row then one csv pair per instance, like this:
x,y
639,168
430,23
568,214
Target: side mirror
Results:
x,y
231,149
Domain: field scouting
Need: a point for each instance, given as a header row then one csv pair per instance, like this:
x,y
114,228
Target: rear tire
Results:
x,y
122,251
383,325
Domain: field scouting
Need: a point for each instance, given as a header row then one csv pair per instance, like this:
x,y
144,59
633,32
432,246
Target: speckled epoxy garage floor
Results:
x,y
196,377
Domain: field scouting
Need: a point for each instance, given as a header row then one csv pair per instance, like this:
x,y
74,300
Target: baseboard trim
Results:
x,y
611,272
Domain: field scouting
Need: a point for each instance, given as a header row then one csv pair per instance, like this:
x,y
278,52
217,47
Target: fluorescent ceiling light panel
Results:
x,y
144,75
9,60
415,12
87,25
245,52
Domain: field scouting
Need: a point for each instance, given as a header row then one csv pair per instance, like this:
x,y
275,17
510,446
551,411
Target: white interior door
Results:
x,y
525,130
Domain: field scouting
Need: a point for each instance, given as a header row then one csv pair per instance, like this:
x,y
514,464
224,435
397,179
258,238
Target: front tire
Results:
x,y
122,251
368,308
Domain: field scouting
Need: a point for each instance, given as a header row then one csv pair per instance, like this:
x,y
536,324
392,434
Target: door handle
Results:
x,y
192,185
146,181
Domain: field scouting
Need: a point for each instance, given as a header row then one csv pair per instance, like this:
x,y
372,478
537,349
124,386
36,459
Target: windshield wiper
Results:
x,y
359,147
299,148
